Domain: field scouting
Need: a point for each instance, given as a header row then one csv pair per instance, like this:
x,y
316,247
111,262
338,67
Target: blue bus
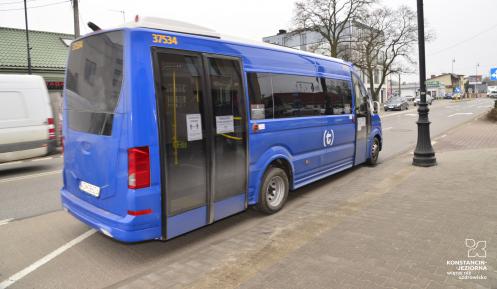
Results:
x,y
169,127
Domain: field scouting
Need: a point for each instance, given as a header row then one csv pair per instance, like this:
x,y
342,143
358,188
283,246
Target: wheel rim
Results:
x,y
275,191
375,148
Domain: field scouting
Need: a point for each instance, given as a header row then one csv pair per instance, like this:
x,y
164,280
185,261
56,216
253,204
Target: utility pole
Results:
x,y
27,36
123,13
476,79
400,90
424,155
75,8
453,61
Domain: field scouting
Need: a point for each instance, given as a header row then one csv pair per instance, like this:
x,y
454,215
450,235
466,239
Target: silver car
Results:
x,y
429,100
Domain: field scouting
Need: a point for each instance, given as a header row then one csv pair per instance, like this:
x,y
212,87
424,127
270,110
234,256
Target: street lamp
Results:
x,y
424,155
453,61
476,78
27,36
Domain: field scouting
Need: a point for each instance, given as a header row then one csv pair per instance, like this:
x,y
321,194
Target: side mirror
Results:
x,y
376,107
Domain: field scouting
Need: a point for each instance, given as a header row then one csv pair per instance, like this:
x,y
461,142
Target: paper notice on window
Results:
x,y
224,124
361,122
257,111
194,126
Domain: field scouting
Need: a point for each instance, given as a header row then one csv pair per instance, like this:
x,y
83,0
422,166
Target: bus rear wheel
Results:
x,y
274,191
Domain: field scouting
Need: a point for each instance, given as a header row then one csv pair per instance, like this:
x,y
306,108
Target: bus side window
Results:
x,y
297,96
260,95
338,97
361,99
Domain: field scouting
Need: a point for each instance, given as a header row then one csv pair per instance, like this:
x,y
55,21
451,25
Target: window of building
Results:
x,y
376,76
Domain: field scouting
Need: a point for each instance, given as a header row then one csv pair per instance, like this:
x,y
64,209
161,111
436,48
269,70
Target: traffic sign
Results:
x,y
493,73
457,89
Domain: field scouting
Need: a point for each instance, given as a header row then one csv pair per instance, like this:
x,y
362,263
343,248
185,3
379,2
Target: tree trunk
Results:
x,y
374,93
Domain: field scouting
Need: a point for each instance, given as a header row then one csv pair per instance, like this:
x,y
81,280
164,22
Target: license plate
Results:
x,y
390,107
89,188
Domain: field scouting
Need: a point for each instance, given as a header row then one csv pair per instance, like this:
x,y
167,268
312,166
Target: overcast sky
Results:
x,y
465,30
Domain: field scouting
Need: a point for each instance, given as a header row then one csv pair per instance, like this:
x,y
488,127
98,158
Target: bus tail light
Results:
x,y
140,213
51,128
138,168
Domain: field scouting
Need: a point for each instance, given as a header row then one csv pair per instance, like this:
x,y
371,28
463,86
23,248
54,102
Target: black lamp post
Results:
x,y
424,155
27,36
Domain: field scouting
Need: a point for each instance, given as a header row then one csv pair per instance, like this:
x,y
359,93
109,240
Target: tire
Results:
x,y
375,152
274,191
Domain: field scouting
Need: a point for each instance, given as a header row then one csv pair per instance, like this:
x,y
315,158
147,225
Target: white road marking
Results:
x,y
411,114
461,113
387,128
433,142
30,176
21,274
42,159
6,221
442,136
484,106
393,114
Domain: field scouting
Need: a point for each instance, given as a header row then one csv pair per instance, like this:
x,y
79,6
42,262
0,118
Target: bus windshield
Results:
x,y
93,82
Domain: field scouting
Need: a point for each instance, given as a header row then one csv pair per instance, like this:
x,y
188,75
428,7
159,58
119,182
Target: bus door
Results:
x,y
363,121
202,124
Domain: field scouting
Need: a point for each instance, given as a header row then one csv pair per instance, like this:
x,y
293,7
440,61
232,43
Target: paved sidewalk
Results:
x,y
392,226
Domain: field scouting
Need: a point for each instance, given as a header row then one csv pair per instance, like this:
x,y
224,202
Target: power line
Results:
x,y
39,6
465,40
14,2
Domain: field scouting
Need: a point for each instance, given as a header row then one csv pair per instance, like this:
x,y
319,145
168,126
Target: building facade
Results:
x,y
434,88
451,81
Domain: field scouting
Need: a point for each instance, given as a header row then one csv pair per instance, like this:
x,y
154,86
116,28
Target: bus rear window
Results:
x,y
93,82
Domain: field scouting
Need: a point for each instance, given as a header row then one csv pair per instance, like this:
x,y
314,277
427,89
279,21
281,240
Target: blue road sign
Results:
x,y
493,73
457,89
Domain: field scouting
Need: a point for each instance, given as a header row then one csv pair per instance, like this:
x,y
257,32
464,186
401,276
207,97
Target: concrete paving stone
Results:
x,y
395,283
435,285
373,277
400,236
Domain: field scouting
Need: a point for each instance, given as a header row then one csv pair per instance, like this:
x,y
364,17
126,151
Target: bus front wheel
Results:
x,y
375,152
274,191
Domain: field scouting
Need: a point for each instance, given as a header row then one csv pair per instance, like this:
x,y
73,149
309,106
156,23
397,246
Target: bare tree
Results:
x,y
385,43
330,19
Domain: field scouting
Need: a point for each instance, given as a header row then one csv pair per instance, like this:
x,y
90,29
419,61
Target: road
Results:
x,y
32,226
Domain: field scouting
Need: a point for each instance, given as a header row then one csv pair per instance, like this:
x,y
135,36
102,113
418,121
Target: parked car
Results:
x,y
429,100
26,119
457,95
410,98
448,95
492,93
396,103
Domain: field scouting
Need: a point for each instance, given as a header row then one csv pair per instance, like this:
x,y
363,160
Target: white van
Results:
x,y
26,119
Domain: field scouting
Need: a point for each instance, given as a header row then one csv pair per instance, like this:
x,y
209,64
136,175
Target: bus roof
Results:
x,y
197,30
